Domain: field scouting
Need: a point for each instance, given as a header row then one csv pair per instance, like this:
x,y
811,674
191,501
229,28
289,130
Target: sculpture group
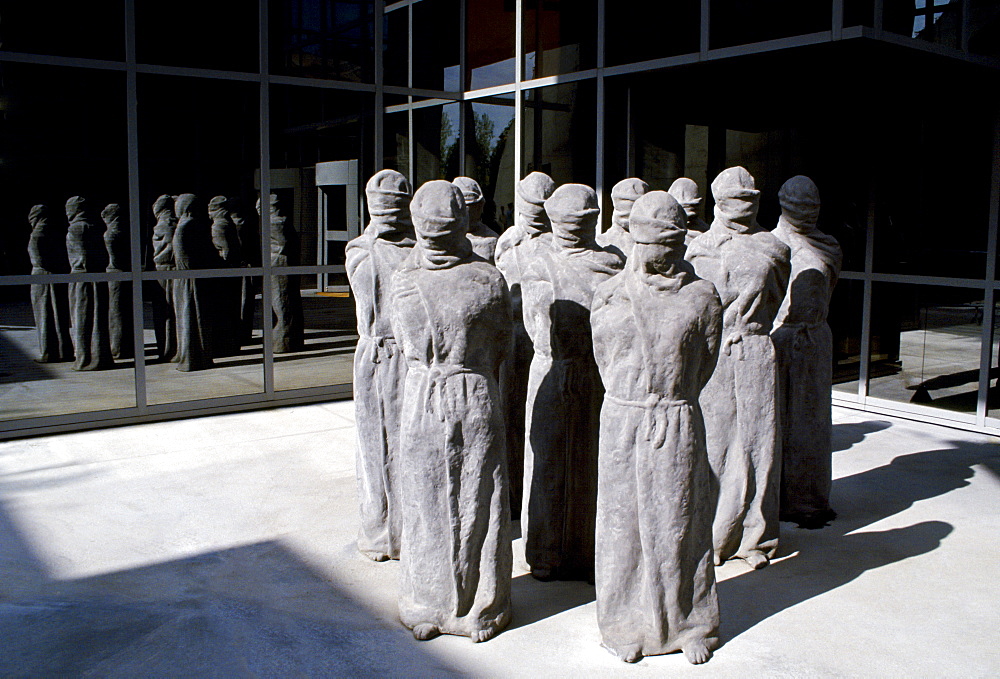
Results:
x,y
195,320
655,397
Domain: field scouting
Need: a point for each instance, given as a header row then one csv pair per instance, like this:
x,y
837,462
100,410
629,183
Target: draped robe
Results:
x,y
88,300
164,319
192,246
50,301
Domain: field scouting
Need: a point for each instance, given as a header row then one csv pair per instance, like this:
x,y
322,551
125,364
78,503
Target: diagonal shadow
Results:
x,y
846,435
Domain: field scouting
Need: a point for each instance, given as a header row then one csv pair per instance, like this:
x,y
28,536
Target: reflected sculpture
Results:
x,y
750,269
227,295
482,237
685,191
564,389
119,292
192,245
49,301
88,300
379,366
516,247
804,343
286,301
451,315
162,296
656,331
248,238
617,238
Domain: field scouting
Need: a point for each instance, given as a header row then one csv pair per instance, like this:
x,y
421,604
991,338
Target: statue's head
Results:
x,y
573,211
38,216
472,194
623,196
186,205
75,207
388,192
685,191
658,221
799,199
440,220
163,206
529,202
736,199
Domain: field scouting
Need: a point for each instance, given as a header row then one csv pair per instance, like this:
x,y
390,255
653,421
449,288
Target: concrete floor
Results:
x,y
224,546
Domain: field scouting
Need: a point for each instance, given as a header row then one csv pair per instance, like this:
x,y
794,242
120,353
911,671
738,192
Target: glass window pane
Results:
x,y
559,36
323,39
198,33
918,19
396,47
94,30
984,27
859,13
993,401
737,22
436,42
845,322
436,130
666,29
489,43
559,122
490,147
925,345
396,142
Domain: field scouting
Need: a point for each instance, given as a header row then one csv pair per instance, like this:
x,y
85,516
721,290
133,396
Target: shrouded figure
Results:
x,y
451,315
88,301
617,239
164,321
286,301
49,301
227,292
805,357
749,268
379,366
517,247
248,238
119,292
192,306
564,390
482,237
685,191
656,339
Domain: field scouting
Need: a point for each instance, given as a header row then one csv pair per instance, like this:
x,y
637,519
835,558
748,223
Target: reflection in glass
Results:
x,y
489,43
993,401
984,27
396,142
436,43
845,321
490,161
30,387
666,29
736,22
198,33
327,355
436,130
323,39
94,30
937,21
219,319
396,47
555,120
925,345
559,39
859,13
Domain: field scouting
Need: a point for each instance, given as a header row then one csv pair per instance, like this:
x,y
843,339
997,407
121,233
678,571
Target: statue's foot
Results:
x,y
629,654
375,555
717,558
484,634
425,631
543,574
756,560
697,652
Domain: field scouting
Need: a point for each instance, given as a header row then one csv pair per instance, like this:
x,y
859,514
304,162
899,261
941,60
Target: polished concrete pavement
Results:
x,y
224,546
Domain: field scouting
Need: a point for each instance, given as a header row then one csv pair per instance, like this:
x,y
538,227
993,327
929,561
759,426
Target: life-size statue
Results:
x,y
286,301
564,390
88,301
193,249
162,296
656,329
49,301
805,357
516,247
119,292
227,295
482,237
617,239
248,237
379,366
451,315
749,268
686,192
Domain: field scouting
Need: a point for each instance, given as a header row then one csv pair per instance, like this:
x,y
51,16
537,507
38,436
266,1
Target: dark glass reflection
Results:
x,y
859,13
490,157
198,33
396,141
937,21
737,22
489,43
436,148
666,29
396,47
984,27
559,37
993,402
436,43
556,119
925,345
94,30
845,320
323,39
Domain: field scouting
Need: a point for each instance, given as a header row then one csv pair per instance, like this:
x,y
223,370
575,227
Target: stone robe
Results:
x,y
193,249
49,301
88,301
617,240
562,412
286,300
119,292
750,271
162,296
227,292
454,327
804,344
656,340
483,240
379,375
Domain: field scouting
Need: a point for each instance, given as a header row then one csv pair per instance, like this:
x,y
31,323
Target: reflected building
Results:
x,y
886,104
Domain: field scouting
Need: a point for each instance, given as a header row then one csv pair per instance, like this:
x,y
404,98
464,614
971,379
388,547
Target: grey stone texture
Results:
x,y
379,365
482,237
451,315
623,195
192,246
516,247
657,329
88,301
750,269
686,192
562,417
116,242
162,296
49,301
286,302
248,236
227,293
804,344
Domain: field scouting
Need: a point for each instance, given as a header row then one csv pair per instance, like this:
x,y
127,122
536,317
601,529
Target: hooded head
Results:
x,y
658,219
110,215
686,192
573,212
388,194
163,207
75,207
623,196
736,199
441,222
186,206
529,202
38,217
217,207
799,198
472,193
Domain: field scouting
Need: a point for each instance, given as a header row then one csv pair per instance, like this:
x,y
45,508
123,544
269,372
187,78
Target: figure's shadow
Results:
x,y
848,434
835,556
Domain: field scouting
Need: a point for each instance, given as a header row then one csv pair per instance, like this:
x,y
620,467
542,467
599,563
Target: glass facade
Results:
x,y
217,285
